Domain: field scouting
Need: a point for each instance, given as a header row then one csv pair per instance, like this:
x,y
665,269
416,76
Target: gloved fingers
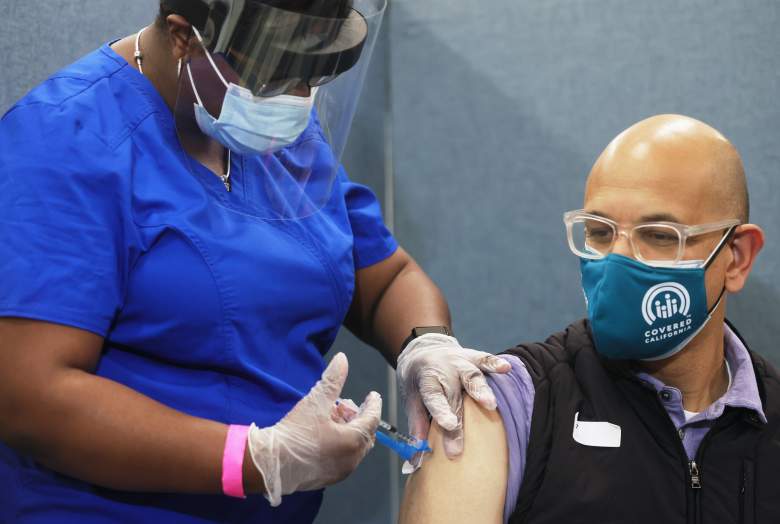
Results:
x,y
487,362
344,410
453,442
419,427
477,388
338,414
419,419
329,387
435,399
349,404
368,415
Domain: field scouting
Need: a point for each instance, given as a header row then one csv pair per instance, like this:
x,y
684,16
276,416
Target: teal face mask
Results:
x,y
641,312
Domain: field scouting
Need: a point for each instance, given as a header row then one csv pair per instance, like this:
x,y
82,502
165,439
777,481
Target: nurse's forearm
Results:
x,y
104,433
409,299
99,431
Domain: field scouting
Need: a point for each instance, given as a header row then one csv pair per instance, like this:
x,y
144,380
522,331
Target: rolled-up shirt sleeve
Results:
x,y
514,393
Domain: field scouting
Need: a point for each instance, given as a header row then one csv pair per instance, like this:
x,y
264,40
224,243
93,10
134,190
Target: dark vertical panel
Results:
x,y
500,109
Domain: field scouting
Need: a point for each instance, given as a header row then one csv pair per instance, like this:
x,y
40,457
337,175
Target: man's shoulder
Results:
x,y
768,379
559,349
766,372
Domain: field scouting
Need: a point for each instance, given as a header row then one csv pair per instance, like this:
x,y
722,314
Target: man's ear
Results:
x,y
179,35
747,242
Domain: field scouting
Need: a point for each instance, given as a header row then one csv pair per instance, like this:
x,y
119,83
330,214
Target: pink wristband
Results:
x,y
233,462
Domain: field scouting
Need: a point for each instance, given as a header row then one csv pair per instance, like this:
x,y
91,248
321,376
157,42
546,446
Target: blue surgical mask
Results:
x,y
642,312
253,125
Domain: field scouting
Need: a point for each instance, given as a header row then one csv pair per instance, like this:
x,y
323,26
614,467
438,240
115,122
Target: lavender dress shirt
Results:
x,y
515,397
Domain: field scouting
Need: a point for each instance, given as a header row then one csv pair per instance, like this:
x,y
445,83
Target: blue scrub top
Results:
x,y
205,305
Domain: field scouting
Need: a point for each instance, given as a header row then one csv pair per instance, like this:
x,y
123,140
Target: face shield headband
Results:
x,y
272,47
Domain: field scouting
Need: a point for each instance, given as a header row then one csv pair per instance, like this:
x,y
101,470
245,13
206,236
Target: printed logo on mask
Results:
x,y
666,301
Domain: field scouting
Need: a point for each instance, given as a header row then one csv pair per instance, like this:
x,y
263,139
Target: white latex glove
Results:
x,y
432,370
311,447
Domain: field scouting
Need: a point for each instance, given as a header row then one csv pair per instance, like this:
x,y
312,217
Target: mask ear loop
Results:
x,y
226,177
194,89
723,242
208,55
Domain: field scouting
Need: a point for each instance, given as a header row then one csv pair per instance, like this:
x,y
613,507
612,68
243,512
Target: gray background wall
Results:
x,y
478,126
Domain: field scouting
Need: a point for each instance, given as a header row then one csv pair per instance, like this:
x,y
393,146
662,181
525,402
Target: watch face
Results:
x,y
418,331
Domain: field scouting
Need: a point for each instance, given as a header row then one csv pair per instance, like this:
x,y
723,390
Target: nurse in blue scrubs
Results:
x,y
179,246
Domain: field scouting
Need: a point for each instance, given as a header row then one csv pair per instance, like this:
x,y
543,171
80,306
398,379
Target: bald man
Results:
x,y
652,409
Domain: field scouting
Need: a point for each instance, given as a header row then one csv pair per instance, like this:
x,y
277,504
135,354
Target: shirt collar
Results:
x,y
743,392
744,387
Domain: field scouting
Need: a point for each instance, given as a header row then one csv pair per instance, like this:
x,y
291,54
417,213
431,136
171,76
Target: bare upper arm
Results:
x,y
32,342
370,284
470,488
31,353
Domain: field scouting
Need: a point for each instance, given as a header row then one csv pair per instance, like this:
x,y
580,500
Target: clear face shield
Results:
x,y
279,80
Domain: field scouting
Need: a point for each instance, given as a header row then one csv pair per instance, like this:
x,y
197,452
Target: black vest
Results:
x,y
649,477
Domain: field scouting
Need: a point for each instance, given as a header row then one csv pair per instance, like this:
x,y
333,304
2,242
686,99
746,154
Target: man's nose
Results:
x,y
622,245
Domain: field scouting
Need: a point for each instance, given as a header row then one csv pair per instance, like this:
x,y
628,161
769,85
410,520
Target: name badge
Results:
x,y
596,434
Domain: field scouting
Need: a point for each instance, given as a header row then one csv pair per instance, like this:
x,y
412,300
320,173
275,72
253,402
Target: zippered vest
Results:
x,y
735,476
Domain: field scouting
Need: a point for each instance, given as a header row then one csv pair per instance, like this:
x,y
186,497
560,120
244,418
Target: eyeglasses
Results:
x,y
654,243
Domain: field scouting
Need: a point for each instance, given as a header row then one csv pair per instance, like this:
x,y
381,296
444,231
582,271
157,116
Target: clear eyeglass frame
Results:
x,y
683,231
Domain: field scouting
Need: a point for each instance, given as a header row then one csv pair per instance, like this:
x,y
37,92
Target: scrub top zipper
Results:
x,y
139,58
226,177
225,181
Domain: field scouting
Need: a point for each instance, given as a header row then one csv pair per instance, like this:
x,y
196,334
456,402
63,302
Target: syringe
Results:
x,y
406,446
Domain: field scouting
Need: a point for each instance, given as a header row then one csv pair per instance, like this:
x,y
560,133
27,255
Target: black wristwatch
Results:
x,y
422,330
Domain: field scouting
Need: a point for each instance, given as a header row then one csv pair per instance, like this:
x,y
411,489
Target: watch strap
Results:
x,y
424,330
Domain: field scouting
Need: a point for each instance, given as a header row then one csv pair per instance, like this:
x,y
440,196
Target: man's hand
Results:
x,y
310,447
432,372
